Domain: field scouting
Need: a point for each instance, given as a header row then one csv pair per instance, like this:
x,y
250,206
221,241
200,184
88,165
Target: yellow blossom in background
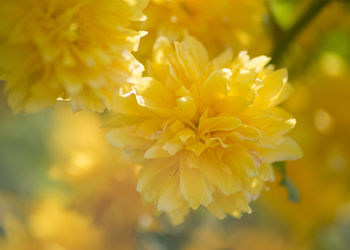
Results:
x,y
76,50
208,129
320,103
217,24
50,225
244,237
101,178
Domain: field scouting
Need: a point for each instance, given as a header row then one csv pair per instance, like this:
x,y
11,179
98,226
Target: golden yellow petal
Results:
x,y
216,86
187,107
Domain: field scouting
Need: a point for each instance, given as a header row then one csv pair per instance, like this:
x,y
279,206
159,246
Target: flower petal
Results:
x,y
193,186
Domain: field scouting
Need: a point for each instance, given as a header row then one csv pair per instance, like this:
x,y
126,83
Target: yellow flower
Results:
x,y
76,50
236,24
208,129
101,178
51,226
320,103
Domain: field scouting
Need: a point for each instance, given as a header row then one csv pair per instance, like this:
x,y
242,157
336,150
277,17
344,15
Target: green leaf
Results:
x,y
293,194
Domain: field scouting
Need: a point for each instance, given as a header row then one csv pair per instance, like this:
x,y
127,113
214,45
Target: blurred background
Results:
x,y
62,187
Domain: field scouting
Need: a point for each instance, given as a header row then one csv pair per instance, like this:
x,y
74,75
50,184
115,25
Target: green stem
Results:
x,y
286,38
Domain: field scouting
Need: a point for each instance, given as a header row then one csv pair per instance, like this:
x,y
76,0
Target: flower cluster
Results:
x,y
204,132
74,50
237,24
208,129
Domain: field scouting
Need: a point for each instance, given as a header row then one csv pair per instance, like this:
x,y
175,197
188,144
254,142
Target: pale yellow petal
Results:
x,y
193,187
121,138
288,150
156,152
227,182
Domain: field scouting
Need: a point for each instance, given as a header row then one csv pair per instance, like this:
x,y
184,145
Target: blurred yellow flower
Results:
x,y
208,129
75,50
102,179
51,225
217,24
243,237
320,103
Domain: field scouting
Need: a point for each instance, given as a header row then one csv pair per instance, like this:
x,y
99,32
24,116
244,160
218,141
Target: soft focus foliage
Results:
x,y
76,50
213,121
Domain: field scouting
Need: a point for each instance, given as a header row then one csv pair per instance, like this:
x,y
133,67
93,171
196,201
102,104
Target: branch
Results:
x,y
283,43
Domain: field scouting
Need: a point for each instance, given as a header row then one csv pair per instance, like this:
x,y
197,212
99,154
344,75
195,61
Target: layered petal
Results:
x,y
207,130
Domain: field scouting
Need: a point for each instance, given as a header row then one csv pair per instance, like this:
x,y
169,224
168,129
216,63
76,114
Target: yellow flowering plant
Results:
x,y
74,50
208,129
184,113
